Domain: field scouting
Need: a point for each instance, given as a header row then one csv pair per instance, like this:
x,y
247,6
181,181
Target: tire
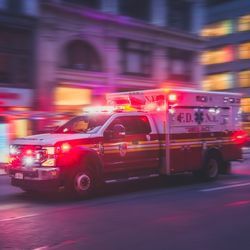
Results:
x,y
211,168
82,183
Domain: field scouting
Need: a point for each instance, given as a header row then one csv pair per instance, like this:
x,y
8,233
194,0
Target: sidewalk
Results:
x,y
2,171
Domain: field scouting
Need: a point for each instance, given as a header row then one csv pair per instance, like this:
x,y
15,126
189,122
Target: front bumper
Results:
x,y
45,186
37,179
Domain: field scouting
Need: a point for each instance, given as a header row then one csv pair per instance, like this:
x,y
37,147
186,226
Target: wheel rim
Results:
x,y
212,168
82,182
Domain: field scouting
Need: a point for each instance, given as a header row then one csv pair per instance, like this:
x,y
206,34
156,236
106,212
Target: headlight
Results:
x,y
50,157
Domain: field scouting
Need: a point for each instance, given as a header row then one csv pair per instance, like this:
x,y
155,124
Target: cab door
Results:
x,y
137,149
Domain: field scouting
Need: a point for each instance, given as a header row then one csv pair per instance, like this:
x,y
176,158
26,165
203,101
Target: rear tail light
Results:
x,y
240,137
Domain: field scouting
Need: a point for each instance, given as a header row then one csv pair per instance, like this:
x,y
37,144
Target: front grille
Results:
x,y
29,174
26,155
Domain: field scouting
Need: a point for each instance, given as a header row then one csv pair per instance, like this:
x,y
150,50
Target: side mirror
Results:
x,y
118,131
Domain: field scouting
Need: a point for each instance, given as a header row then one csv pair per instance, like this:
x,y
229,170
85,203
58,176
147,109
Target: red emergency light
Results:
x,y
240,137
173,99
65,147
29,152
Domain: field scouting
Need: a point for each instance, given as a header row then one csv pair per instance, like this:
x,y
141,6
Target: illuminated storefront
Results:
x,y
218,29
244,79
220,55
244,23
220,81
245,104
70,99
15,118
244,50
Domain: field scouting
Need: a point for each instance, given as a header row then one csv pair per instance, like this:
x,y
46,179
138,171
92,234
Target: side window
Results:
x,y
143,125
133,124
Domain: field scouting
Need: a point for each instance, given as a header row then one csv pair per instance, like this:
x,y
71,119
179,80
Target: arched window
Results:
x,y
82,56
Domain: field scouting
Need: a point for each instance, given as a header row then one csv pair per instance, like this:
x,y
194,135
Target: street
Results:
x,y
182,213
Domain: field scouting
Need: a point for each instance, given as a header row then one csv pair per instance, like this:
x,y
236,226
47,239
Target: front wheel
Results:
x,y
82,184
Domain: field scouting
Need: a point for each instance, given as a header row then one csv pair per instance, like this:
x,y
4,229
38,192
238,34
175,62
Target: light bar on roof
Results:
x,y
99,109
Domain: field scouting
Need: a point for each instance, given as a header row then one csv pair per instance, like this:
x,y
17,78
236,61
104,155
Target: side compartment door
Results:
x,y
185,139
143,148
136,149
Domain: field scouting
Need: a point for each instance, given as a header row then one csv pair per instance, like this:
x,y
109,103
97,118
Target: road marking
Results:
x,y
42,248
237,203
18,218
225,187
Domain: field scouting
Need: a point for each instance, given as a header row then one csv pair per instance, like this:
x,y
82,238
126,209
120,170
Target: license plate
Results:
x,y
19,176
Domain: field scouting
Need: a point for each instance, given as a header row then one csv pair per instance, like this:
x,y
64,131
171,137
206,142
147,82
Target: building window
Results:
x,y
179,14
179,65
244,23
15,57
220,55
82,56
221,28
244,50
22,69
89,3
219,81
244,78
245,105
133,125
217,2
4,68
136,58
14,6
139,9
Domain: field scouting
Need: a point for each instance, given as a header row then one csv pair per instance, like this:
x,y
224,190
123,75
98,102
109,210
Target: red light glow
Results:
x,y
11,160
240,137
65,147
28,152
172,98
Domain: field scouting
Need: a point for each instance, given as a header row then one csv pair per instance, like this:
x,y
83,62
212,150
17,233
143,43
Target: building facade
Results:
x,y
227,55
18,22
57,56
88,48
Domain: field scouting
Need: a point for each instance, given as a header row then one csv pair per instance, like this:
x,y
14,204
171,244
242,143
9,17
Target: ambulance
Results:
x,y
139,134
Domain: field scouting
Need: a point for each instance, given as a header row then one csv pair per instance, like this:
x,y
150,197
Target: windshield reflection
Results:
x,y
88,124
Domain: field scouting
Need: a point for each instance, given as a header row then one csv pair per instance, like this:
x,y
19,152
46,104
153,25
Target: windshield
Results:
x,y
84,124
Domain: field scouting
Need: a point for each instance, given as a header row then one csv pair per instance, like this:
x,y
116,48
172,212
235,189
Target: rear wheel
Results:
x,y
211,167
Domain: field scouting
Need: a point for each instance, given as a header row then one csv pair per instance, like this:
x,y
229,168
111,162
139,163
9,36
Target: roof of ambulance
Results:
x,y
168,90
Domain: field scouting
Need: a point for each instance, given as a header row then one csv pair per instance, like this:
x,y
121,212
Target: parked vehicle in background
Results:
x,y
246,126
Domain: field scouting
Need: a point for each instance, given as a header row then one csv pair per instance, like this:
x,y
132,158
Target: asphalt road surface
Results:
x,y
179,214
